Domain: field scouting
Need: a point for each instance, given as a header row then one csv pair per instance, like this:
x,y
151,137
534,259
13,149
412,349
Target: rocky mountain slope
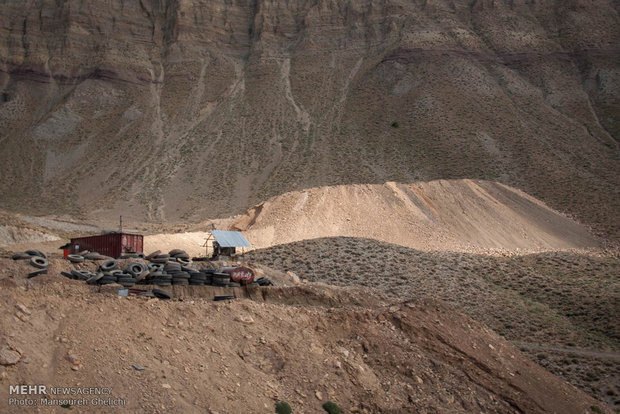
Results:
x,y
181,110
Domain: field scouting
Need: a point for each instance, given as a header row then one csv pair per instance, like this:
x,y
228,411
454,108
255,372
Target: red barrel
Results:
x,y
242,275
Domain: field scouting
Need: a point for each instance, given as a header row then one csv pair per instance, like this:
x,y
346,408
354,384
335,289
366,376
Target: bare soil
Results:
x,y
567,299
304,344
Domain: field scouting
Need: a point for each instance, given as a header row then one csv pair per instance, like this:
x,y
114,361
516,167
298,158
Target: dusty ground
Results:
x,y
456,215
304,344
553,303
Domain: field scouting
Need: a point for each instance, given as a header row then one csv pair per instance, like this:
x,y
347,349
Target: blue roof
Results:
x,y
230,238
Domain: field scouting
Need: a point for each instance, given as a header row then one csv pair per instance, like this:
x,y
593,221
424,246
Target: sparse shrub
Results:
x,y
596,409
283,407
395,124
332,408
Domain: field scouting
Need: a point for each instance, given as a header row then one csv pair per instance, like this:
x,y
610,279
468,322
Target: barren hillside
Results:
x,y
559,307
181,110
303,344
455,215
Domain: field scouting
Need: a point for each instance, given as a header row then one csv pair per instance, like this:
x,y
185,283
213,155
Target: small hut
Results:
x,y
225,243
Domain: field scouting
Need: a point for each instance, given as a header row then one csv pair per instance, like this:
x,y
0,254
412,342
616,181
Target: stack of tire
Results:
x,y
197,278
171,269
37,259
133,273
138,255
178,276
220,279
208,276
86,255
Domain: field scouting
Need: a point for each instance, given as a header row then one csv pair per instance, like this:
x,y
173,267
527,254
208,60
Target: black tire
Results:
x,y
183,256
175,252
38,253
172,266
180,282
224,297
78,273
21,256
156,267
233,284
183,262
142,276
109,265
162,294
200,277
220,278
126,279
67,275
75,258
39,262
135,268
83,252
161,258
152,255
37,273
94,279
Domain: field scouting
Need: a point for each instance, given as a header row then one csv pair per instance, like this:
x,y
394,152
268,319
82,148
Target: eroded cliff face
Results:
x,y
181,110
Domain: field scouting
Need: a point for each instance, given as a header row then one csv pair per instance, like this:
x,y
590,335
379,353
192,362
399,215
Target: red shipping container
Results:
x,y
111,244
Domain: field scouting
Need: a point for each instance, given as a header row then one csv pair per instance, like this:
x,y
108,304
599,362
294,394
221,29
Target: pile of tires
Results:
x,y
37,259
172,268
86,255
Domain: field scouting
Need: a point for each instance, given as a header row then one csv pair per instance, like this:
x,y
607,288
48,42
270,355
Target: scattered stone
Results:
x,y
9,357
294,278
246,319
167,386
75,367
74,359
23,309
420,380
318,395
138,367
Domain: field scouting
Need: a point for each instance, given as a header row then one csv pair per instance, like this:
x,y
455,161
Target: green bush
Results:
x,y
332,408
395,124
283,408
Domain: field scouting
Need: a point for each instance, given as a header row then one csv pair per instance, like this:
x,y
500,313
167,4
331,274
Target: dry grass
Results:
x,y
555,299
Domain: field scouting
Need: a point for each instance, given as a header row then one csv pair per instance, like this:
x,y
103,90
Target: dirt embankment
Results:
x,y
559,307
455,215
304,344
